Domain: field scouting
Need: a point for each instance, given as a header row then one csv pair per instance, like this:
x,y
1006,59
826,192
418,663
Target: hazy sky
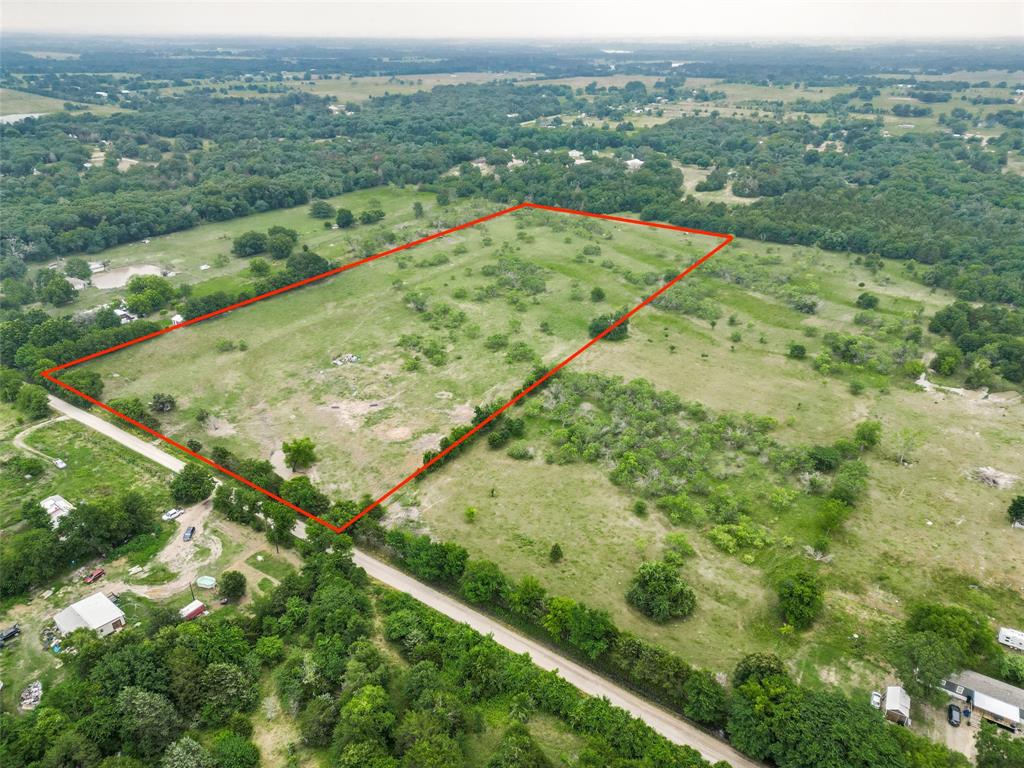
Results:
x,y
775,19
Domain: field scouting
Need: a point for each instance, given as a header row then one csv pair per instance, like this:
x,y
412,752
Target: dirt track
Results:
x,y
662,721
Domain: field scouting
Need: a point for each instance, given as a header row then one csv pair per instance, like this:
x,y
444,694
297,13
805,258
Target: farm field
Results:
x,y
350,88
434,331
753,101
14,102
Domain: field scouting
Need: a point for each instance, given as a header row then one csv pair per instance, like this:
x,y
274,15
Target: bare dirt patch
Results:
x,y
218,427
993,477
118,278
428,442
461,414
393,433
400,516
350,413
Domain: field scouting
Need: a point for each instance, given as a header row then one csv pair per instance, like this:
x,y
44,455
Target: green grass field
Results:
x,y
351,88
928,519
925,529
96,468
22,103
372,420
753,101
185,253
14,102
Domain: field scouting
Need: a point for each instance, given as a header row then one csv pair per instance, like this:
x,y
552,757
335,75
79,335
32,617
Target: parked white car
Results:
x,y
171,514
876,699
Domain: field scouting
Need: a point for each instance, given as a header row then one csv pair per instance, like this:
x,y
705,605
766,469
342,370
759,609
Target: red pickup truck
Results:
x,y
96,575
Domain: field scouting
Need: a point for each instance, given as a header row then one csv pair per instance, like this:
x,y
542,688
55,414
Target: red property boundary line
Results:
x,y
48,373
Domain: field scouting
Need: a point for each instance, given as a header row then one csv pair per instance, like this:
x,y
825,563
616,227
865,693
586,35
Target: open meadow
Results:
x,y
377,364
14,102
433,333
926,526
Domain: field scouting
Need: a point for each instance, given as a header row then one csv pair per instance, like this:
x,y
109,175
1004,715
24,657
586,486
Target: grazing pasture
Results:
x,y
433,334
377,364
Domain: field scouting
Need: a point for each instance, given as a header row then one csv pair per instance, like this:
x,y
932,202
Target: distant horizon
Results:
x,y
777,21
538,42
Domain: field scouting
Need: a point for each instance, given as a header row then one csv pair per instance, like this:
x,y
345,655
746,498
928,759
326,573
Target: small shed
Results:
x,y
56,507
193,610
1011,638
896,705
96,612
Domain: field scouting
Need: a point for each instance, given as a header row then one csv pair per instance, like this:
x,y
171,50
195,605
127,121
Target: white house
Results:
x,y
96,612
1011,638
56,507
634,164
991,699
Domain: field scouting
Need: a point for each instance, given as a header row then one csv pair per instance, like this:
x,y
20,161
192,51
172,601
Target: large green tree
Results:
x,y
193,484
657,591
299,453
801,599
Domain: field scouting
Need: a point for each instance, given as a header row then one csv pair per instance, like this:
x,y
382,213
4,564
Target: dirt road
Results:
x,y
662,721
18,441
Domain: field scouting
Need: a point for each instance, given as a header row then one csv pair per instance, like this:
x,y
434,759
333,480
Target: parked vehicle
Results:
x,y
96,575
953,715
189,533
876,699
171,514
10,633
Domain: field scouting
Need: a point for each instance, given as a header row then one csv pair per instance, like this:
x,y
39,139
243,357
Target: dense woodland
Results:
x,y
931,199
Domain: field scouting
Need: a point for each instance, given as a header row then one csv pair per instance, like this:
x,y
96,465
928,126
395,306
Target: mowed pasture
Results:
x,y
378,363
14,102
347,88
926,530
202,257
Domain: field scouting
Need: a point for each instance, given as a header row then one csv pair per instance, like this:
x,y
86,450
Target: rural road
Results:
x,y
668,725
662,721
114,432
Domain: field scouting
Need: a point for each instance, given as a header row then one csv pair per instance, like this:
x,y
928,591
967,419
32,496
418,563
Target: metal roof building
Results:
x,y
56,507
96,612
896,705
994,700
